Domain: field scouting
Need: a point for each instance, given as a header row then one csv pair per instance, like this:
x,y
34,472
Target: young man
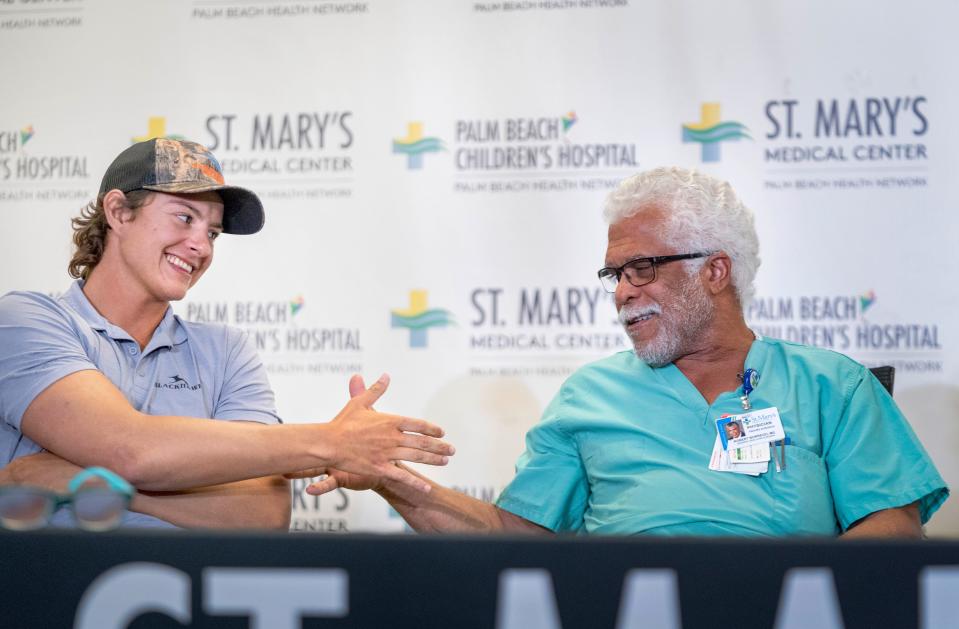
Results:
x,y
107,375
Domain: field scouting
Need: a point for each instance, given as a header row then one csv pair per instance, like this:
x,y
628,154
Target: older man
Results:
x,y
630,443
107,375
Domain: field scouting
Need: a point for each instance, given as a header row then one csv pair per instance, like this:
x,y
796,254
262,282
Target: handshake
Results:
x,y
366,446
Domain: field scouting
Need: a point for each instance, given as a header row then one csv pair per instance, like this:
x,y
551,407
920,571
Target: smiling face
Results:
x,y
666,318
168,244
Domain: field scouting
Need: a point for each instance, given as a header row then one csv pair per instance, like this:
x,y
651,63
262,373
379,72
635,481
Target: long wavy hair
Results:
x,y
90,232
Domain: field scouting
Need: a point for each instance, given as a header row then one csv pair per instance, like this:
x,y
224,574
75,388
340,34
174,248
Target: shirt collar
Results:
x,y
757,358
170,332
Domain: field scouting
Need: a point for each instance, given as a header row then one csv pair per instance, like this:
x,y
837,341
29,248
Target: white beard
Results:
x,y
681,324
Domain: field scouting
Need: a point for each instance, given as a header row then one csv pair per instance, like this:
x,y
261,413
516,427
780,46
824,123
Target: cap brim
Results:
x,y
242,210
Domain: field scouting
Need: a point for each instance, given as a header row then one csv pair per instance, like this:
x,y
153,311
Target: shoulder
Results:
x,y
624,364
824,367
37,311
20,302
614,376
796,353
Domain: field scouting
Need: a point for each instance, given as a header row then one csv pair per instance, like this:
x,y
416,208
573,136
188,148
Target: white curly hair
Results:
x,y
702,214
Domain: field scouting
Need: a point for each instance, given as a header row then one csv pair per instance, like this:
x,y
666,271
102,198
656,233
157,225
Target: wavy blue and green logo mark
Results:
x,y
156,128
415,144
866,300
417,318
569,120
711,130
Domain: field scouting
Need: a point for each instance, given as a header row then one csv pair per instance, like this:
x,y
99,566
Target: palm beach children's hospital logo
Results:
x,y
25,134
13,141
19,164
415,144
417,318
711,130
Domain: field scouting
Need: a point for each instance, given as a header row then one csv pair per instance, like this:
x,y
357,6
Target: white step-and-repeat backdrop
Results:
x,y
434,172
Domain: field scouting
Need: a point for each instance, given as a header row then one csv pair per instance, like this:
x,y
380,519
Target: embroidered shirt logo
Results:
x,y
177,382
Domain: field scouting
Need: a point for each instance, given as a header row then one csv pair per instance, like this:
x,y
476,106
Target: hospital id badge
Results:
x,y
752,428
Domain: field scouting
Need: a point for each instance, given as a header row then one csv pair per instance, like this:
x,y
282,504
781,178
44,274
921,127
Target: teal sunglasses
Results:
x,y
95,506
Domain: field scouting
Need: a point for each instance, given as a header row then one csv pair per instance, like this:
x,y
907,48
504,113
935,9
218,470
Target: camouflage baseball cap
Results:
x,y
184,167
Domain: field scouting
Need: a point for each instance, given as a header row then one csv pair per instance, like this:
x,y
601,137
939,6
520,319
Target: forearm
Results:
x,y
255,503
259,503
443,510
43,469
187,453
176,453
901,522
85,419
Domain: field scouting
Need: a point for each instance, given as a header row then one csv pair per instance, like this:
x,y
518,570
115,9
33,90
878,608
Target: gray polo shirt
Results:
x,y
189,369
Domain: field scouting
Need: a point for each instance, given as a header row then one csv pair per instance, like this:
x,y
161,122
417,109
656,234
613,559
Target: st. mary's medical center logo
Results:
x,y
418,319
415,144
711,130
156,128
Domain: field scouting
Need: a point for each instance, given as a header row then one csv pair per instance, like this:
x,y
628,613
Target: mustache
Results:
x,y
629,313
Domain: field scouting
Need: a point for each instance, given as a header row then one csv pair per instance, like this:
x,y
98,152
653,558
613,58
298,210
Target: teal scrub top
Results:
x,y
624,449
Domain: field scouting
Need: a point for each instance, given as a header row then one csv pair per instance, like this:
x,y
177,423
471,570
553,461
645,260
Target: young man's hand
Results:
x,y
368,443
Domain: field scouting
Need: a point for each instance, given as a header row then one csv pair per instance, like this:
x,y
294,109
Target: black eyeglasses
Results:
x,y
640,271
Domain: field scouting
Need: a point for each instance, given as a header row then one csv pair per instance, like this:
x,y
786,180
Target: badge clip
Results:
x,y
750,379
